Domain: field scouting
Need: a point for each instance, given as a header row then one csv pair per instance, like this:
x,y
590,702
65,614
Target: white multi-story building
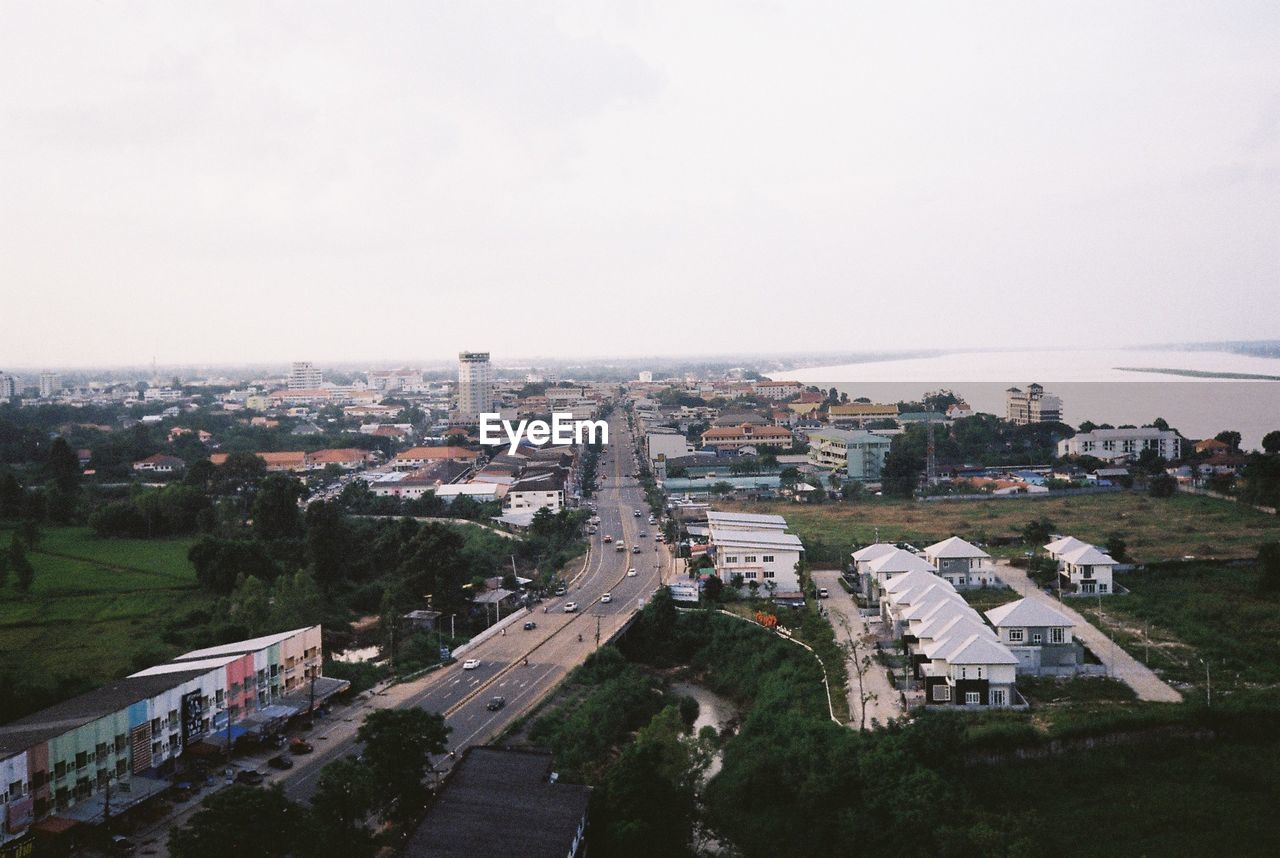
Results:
x,y
1032,406
746,521
8,386
1114,445
859,453
475,387
777,389
535,493
767,557
50,384
670,444
304,376
161,394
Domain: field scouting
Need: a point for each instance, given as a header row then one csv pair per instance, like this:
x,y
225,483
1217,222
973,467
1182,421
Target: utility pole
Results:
x,y
597,631
931,454
312,708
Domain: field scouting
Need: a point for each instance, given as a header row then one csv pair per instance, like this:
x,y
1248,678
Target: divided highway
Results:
x,y
552,649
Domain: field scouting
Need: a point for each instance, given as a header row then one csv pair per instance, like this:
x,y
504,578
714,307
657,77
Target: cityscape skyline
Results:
x,y
206,178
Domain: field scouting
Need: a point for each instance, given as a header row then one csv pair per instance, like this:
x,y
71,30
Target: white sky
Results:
x,y
347,181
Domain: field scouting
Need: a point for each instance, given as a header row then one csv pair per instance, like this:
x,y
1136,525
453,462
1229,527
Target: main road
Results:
x,y
560,642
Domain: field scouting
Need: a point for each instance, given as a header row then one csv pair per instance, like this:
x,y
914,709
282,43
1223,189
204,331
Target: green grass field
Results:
x,y
96,604
1174,617
1155,529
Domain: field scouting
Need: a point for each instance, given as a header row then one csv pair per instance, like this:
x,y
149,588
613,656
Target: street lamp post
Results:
x,y
1208,684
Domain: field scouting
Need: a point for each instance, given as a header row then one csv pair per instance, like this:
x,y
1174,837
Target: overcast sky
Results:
x,y
349,181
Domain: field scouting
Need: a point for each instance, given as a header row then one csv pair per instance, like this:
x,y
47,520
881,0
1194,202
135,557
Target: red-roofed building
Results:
x,y
746,435
416,457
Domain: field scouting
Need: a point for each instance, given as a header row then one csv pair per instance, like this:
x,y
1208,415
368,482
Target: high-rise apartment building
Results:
x,y
475,387
304,376
1032,406
50,384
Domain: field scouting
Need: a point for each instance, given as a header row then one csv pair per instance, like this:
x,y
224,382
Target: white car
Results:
x,y
606,598
471,664
570,607
631,573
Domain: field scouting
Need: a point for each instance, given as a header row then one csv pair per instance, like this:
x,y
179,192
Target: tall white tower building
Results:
x,y
304,376
475,387
50,383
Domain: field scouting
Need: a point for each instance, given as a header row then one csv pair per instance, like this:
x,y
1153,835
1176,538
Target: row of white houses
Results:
x,y
960,659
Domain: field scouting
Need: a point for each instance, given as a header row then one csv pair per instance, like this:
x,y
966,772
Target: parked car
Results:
x,y
631,573
570,607
606,598
471,664
250,777
822,593
635,549
281,762
495,704
300,746
530,626
637,513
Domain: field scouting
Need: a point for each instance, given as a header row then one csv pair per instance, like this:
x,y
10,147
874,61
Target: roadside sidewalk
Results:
x,y
1120,665
885,703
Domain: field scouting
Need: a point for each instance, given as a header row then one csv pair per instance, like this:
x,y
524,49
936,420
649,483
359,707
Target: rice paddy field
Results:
x,y
96,605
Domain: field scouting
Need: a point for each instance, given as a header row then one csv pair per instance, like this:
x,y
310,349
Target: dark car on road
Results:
x,y
530,626
495,704
281,762
121,845
250,777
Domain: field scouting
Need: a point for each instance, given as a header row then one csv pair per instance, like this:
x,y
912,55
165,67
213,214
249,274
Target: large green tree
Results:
x,y
275,509
63,467
329,544
242,821
24,573
398,745
648,804
345,797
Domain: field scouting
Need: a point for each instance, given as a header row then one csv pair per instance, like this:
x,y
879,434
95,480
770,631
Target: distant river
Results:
x,y
1104,386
